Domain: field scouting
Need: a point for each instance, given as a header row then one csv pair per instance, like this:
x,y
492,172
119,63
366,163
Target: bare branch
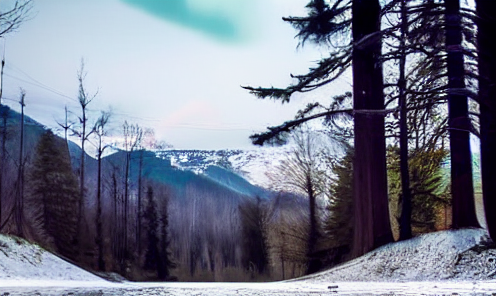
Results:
x,y
11,19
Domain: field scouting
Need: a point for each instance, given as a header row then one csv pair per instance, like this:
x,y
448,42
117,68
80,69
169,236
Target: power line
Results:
x,y
42,86
9,99
185,125
13,67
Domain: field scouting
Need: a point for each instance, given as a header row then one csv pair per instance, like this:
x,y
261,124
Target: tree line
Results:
x,y
423,81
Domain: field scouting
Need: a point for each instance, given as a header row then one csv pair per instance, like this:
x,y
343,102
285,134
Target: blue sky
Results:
x,y
172,65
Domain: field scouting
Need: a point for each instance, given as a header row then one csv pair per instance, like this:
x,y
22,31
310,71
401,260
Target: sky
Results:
x,y
172,65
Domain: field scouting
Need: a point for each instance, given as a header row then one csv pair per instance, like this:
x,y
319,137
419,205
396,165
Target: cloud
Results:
x,y
221,19
193,114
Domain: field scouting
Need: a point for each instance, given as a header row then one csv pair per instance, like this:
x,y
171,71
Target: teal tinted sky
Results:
x,y
176,68
226,20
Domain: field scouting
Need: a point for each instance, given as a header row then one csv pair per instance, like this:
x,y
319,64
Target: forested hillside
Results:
x,y
198,219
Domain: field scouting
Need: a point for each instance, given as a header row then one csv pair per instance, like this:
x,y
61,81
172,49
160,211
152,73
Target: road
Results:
x,y
275,289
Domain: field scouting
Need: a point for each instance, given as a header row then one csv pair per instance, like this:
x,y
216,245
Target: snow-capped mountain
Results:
x,y
251,164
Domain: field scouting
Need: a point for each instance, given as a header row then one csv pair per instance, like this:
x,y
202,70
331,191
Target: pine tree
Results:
x,y
429,189
152,256
372,227
459,122
165,264
157,256
338,226
362,51
55,191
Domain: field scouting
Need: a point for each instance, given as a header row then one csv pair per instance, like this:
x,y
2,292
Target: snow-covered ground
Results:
x,y
445,255
20,261
442,263
272,289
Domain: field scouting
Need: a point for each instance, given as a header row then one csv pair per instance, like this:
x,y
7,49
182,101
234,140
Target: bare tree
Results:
x,y
4,114
100,133
146,141
20,176
301,173
12,18
116,197
287,235
84,99
133,134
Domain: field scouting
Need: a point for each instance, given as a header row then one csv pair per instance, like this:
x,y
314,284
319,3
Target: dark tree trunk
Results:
x,y
3,113
165,262
126,212
81,177
152,256
99,231
20,178
313,263
462,188
372,225
486,11
139,215
117,226
406,200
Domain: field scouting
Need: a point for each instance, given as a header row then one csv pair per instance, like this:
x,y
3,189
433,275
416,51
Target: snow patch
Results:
x,y
20,260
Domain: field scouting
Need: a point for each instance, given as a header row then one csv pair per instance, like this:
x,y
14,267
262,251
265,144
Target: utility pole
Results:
x,y
3,114
66,126
20,177
1,73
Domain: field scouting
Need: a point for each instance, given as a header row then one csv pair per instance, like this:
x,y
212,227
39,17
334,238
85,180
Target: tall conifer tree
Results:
x,y
55,191
372,227
486,12
462,188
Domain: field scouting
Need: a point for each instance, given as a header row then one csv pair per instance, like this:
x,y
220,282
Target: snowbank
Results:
x,y
20,260
461,255
445,255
